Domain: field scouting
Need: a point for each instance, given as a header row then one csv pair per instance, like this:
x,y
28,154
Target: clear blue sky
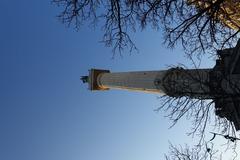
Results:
x,y
48,114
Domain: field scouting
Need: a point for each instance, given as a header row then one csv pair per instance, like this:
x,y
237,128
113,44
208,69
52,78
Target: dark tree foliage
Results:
x,y
198,26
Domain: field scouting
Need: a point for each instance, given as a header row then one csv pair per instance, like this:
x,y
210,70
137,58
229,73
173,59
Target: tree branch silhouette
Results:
x,y
198,26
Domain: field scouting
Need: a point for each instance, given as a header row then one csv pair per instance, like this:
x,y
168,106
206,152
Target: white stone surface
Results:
x,y
137,81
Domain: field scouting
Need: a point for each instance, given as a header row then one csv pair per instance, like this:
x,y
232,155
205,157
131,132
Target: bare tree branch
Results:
x,y
199,26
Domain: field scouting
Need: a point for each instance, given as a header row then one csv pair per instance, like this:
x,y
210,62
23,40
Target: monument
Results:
x,y
220,83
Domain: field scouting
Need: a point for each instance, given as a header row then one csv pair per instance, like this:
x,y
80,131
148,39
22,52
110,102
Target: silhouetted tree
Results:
x,y
198,25
195,153
205,151
184,102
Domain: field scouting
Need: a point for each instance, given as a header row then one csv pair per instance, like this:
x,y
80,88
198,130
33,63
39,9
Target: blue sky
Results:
x,y
48,114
